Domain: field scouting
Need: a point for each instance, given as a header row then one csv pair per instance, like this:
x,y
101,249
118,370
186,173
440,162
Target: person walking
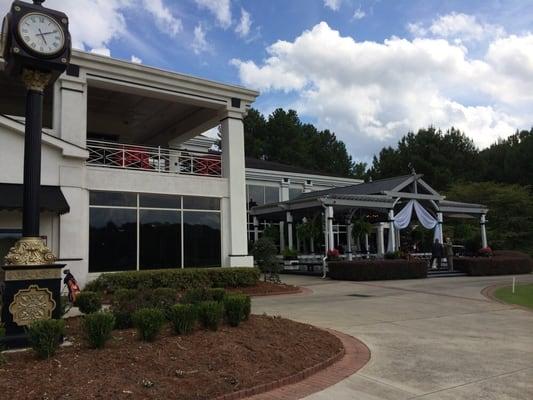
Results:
x,y
448,252
436,254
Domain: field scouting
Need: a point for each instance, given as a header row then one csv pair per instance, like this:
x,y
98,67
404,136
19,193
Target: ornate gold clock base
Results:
x,y
32,289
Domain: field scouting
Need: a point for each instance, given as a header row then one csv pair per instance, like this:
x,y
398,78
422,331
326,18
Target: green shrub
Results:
x,y
210,314
198,295
161,298
502,263
235,307
97,328
88,302
372,270
179,279
183,318
247,308
45,335
124,303
148,322
216,294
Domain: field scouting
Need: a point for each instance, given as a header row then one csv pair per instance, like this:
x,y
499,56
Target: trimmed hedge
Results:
x,y
502,263
180,279
374,270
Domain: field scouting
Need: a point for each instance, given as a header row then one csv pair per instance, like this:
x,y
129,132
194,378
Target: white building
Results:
x,y
128,182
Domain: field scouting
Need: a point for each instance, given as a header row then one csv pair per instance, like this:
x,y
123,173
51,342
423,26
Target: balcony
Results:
x,y
154,159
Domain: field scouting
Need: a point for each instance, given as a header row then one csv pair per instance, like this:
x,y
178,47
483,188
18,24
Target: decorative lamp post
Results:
x,y
36,48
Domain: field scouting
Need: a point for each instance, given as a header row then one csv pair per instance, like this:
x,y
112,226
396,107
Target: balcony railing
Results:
x,y
155,159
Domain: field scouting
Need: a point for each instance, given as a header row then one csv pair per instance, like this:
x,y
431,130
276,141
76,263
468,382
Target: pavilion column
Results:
x,y
289,230
380,240
326,232
392,236
235,229
397,231
482,222
331,240
367,246
256,229
312,246
282,236
349,241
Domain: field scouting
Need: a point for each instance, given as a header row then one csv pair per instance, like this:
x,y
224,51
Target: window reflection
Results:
x,y
112,239
201,239
160,239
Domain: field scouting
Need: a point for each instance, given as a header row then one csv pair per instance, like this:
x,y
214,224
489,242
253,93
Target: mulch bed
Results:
x,y
266,288
203,365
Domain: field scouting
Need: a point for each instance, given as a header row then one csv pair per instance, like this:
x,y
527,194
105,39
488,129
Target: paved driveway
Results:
x,y
430,339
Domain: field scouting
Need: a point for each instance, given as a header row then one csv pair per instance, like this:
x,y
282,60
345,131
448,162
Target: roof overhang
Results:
x,y
51,198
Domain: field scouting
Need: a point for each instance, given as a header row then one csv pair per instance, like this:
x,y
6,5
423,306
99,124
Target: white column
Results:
x,y
367,246
331,240
256,229
285,185
349,241
380,240
289,231
308,186
482,222
282,236
326,232
312,246
70,109
391,246
232,132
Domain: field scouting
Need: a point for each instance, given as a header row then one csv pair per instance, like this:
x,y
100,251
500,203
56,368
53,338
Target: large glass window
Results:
x,y
121,199
160,239
201,239
112,239
168,237
271,194
259,195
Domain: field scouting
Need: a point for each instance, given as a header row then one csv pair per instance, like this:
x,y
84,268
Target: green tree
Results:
x,y
443,158
510,216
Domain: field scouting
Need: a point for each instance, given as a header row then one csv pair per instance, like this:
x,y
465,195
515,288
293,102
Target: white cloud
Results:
x,y
103,51
333,4
372,93
459,26
358,14
221,9
136,60
199,43
243,29
166,22
95,23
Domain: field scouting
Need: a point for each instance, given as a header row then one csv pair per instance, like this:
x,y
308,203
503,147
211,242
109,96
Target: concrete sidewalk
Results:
x,y
430,339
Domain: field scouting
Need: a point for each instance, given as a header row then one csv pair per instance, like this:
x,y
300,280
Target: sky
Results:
x,y
370,71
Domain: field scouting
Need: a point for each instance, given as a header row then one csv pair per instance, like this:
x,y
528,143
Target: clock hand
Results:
x,y
48,33
42,36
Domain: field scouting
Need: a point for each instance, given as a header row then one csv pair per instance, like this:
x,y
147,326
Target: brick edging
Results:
x,y
300,290
352,357
488,292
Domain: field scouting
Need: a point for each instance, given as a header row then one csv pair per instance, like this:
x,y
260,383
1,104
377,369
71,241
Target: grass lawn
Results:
x,y
522,296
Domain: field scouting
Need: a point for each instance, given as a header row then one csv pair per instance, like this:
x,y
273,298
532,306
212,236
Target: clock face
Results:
x,y
41,34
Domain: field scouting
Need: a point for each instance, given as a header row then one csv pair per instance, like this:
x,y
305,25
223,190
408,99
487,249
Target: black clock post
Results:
x,y
31,276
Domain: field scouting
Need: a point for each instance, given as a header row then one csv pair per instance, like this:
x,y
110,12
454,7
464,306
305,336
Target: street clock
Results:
x,y
35,37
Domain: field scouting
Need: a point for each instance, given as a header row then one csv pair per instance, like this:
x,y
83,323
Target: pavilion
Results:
x,y
390,203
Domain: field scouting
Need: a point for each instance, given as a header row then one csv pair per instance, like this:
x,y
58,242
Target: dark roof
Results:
x,y
374,187
52,198
275,166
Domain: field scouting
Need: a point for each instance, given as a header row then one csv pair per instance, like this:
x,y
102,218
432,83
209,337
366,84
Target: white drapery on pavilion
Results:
x,y
403,218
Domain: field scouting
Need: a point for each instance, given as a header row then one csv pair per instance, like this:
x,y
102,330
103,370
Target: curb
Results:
x,y
300,291
488,292
353,356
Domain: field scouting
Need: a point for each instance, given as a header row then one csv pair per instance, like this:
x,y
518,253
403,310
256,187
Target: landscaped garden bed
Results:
x,y
500,263
266,289
202,365
370,270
